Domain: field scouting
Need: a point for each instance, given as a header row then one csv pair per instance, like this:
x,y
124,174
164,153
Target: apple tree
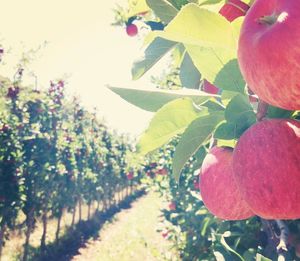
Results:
x,y
240,111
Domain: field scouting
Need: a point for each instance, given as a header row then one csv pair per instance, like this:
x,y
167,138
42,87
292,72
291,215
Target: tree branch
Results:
x,y
262,110
283,240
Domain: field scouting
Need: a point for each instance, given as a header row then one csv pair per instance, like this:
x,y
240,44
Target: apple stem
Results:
x,y
283,240
262,110
268,19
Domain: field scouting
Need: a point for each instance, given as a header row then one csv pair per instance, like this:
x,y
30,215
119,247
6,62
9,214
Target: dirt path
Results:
x,y
131,236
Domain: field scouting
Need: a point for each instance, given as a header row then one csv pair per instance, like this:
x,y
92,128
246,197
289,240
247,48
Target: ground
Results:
x,y
132,235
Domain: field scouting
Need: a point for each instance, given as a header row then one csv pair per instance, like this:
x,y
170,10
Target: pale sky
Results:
x,y
82,45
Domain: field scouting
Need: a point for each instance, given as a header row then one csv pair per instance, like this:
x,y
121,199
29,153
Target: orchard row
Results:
x,y
54,156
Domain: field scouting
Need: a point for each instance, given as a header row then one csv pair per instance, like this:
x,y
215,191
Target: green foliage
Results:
x,y
170,120
196,134
206,49
54,155
154,52
189,75
153,100
239,117
195,233
163,9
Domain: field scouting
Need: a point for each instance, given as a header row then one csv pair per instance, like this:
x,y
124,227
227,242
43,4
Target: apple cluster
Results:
x,y
261,175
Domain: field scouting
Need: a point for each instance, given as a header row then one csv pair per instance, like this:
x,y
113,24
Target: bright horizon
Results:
x,y
83,46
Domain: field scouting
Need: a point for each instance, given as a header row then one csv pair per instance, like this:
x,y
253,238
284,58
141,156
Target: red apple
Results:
x,y
13,92
129,175
269,53
234,9
209,88
162,171
153,165
219,191
131,30
196,184
165,234
266,164
172,206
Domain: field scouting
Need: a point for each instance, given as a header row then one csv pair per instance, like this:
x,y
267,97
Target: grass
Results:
x,y
132,236
14,246
13,249
127,232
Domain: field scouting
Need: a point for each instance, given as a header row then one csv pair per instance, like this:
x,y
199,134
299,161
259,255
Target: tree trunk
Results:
x,y
43,239
123,192
120,194
80,209
107,199
98,206
89,211
2,232
58,227
104,204
73,216
127,191
29,224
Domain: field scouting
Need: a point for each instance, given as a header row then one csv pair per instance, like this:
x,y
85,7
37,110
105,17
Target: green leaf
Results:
x,y
250,254
199,157
170,120
205,28
239,117
275,112
260,257
137,7
194,136
153,100
230,78
164,10
228,248
211,42
212,5
153,53
189,74
212,105
218,66
226,143
205,224
226,96
221,254
178,3
239,109
226,131
230,131
178,54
